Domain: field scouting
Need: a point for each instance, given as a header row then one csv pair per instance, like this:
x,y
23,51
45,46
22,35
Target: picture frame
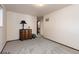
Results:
x,y
47,19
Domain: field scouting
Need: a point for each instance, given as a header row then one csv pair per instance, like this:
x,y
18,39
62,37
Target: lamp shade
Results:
x,y
23,22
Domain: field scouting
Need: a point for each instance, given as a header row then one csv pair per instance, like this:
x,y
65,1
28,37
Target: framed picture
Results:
x,y
47,19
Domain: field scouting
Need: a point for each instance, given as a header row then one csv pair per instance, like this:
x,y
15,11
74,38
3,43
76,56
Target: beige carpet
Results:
x,y
36,46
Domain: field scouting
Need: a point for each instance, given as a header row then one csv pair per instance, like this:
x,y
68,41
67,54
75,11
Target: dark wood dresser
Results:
x,y
25,34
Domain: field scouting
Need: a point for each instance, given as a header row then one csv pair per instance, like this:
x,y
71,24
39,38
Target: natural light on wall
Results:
x,y
1,17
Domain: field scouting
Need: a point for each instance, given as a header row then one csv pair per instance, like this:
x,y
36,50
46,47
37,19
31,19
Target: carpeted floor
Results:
x,y
36,46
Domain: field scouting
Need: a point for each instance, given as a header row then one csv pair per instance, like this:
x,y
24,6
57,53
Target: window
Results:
x,y
1,17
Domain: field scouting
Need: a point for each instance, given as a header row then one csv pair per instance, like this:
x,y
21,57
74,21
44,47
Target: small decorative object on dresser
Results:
x,y
25,34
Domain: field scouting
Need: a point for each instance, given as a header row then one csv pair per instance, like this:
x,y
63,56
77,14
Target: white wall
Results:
x,y
3,29
63,26
13,24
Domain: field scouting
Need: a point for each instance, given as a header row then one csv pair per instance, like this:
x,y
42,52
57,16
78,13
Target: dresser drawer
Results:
x,y
25,34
